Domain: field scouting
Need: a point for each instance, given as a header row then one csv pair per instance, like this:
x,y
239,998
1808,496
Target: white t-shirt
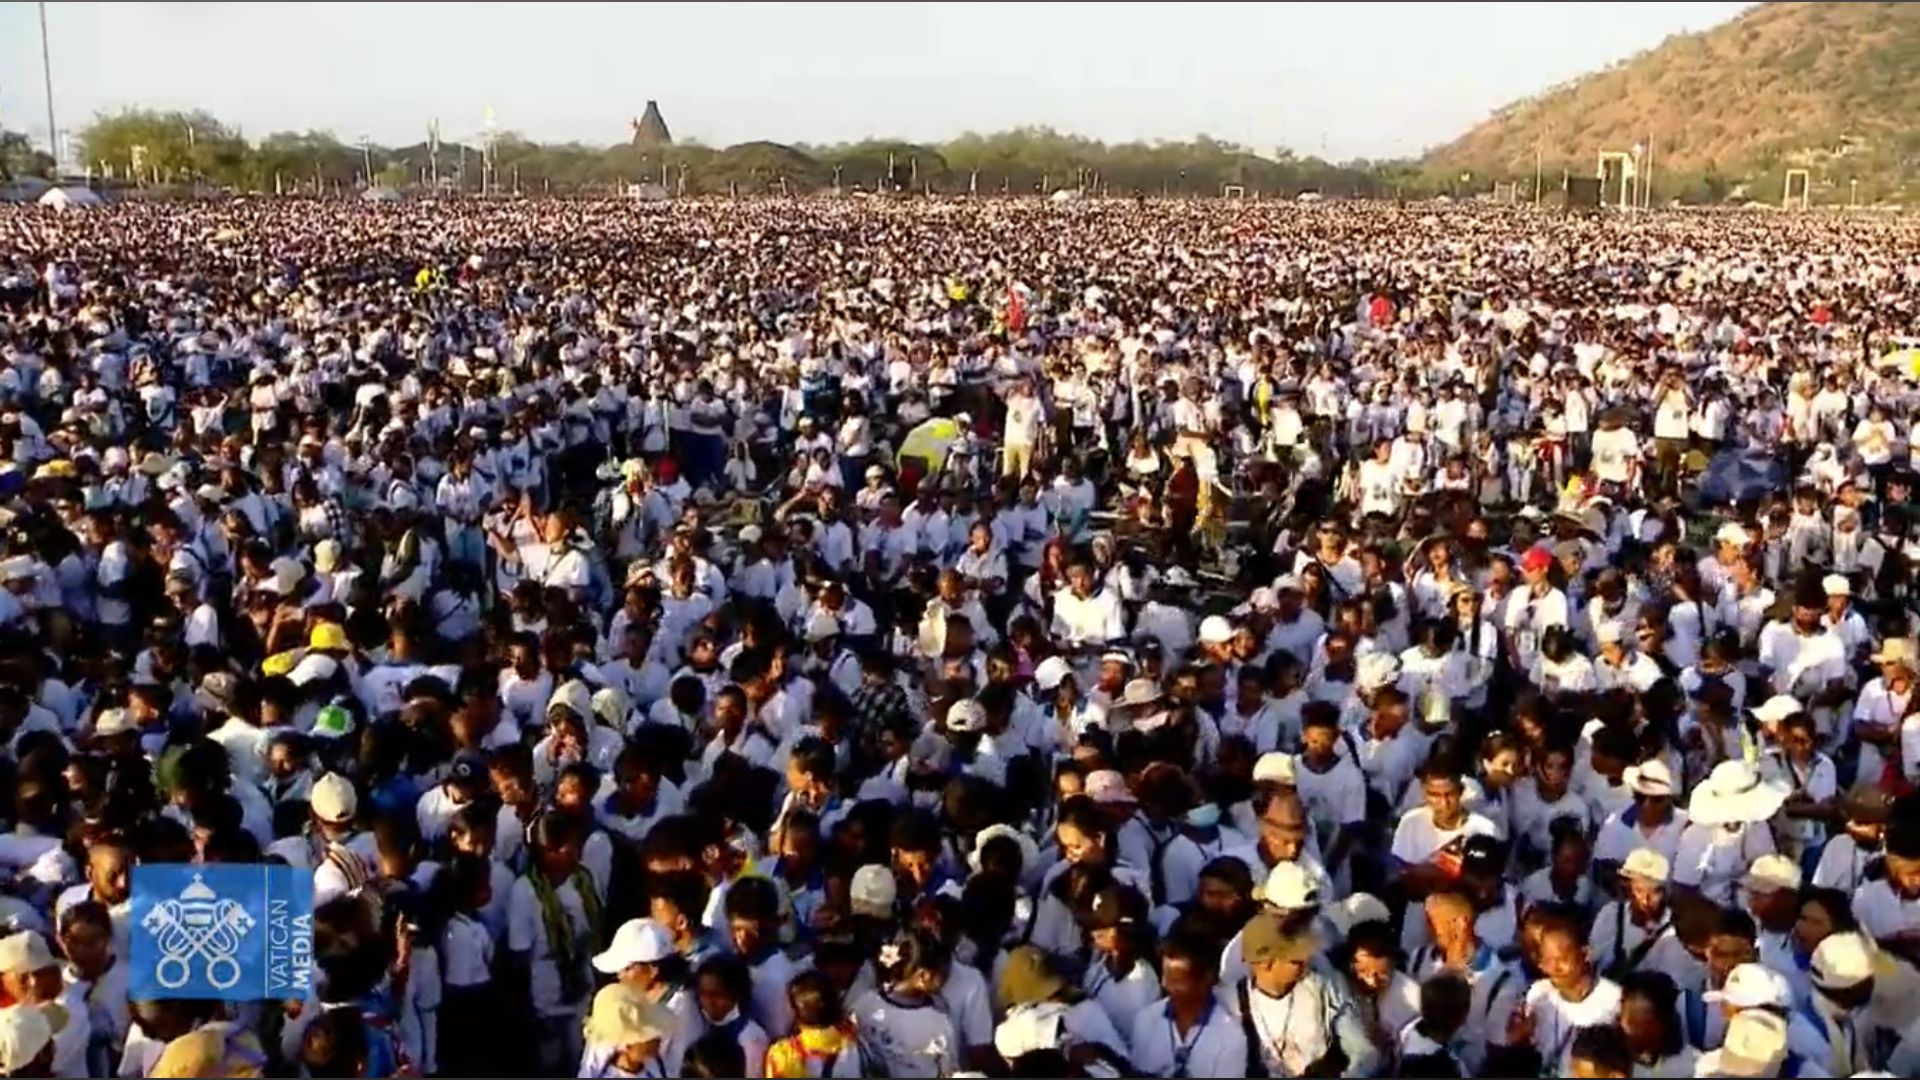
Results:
x,y
527,933
912,1039
1614,454
1417,839
1214,1047
1556,1020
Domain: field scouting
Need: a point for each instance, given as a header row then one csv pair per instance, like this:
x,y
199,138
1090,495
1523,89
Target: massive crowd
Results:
x,y
922,638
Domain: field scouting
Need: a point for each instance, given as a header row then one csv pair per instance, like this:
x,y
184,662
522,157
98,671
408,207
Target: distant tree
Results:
x,y
18,158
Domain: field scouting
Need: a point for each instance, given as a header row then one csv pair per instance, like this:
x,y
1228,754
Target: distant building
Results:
x,y
651,129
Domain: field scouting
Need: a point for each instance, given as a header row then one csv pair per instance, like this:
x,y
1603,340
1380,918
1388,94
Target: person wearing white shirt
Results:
x,y
1801,657
1728,830
1532,610
1568,997
1187,1032
1495,985
1085,619
1427,840
1295,1015
1636,931
1652,822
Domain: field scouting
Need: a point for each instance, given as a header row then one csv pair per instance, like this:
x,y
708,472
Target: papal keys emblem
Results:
x,y
198,925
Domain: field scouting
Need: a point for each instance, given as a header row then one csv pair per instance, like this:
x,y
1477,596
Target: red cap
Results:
x,y
1536,559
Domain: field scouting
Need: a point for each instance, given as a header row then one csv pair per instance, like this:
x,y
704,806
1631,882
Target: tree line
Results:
x,y
145,147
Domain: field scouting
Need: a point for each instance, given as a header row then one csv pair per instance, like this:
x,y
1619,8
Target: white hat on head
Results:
x,y
822,625
1753,986
1215,630
1755,1044
312,668
24,1035
1894,651
333,799
1610,632
1777,708
1029,851
24,953
1842,961
1139,694
966,715
1275,768
1837,585
1108,787
1377,671
1290,887
1649,778
1731,533
872,891
1356,909
1647,864
638,941
751,534
1050,673
1772,873
326,555
19,568
1735,793
112,722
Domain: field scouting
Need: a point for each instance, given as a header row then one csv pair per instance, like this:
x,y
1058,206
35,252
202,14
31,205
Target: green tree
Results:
x,y
18,158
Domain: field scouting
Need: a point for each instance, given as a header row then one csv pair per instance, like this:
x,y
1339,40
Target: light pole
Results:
x,y
46,68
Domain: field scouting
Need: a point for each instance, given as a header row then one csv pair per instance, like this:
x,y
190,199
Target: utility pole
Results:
x,y
433,154
46,69
1536,170
366,158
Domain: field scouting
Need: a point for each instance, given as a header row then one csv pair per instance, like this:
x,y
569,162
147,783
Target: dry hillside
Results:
x,y
1833,87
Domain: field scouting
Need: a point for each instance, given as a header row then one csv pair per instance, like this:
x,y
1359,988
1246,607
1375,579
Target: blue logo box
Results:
x,y
223,932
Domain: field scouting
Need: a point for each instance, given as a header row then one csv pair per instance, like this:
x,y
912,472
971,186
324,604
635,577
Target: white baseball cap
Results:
x,y
1215,630
1289,886
1755,1044
333,798
1842,961
24,1035
638,941
1650,778
1646,864
113,722
1772,873
25,952
1108,787
1751,986
1777,708
1050,673
1837,585
872,891
1275,768
966,715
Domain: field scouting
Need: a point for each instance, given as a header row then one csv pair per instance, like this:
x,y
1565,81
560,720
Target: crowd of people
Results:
x,y
978,637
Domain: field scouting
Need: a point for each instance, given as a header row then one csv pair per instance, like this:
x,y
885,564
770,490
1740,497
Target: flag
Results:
x,y
1016,310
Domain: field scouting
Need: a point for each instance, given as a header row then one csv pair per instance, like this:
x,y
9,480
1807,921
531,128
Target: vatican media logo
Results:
x,y
228,932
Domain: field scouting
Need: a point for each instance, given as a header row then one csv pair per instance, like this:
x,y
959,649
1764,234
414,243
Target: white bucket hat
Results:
x,y
1734,793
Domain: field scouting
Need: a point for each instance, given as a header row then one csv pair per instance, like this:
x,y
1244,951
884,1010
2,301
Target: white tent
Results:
x,y
1065,195
647,193
69,198
380,195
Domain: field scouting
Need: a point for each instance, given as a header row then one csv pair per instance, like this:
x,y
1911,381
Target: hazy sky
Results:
x,y
1339,79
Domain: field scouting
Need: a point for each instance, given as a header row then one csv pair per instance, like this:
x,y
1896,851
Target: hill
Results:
x,y
1825,87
